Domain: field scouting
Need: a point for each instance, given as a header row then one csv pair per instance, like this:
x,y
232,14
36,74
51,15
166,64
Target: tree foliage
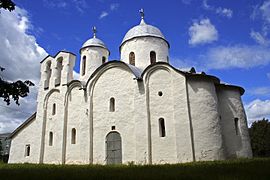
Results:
x,y
14,90
260,138
7,5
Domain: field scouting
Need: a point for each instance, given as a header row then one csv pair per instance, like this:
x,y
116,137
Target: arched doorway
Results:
x,y
113,148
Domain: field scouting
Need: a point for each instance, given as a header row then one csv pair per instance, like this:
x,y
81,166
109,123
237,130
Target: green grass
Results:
x,y
234,169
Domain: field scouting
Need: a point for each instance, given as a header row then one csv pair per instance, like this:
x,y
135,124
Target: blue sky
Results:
x,y
226,38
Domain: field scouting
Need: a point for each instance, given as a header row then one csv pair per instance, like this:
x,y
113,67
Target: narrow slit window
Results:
x,y
103,60
48,72
73,136
50,139
162,131
54,109
27,150
236,125
152,57
112,104
83,65
132,58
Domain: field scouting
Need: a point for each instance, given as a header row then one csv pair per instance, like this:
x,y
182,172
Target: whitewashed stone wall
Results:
x,y
30,135
93,60
119,84
231,107
205,120
77,117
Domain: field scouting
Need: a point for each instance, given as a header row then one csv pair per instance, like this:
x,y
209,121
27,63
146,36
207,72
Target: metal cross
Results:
x,y
142,13
94,29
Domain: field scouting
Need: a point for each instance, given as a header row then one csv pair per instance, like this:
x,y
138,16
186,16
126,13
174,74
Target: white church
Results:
x,y
138,109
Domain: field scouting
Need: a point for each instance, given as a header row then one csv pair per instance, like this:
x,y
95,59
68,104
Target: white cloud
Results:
x,y
114,6
257,110
205,5
20,55
79,5
260,91
76,75
237,56
268,75
202,32
259,38
224,12
265,10
103,14
262,12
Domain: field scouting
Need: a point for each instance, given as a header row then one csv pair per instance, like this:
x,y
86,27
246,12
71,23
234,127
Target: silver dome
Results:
x,y
94,42
142,30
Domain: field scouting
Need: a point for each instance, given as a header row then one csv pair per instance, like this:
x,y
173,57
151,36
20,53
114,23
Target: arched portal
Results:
x,y
113,148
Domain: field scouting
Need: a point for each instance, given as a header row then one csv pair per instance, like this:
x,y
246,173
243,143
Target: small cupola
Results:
x,y
94,53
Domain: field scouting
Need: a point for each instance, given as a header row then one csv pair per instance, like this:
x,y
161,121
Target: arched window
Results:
x,y
48,72
162,131
152,57
103,59
50,139
132,58
59,68
112,104
83,65
167,59
73,136
54,109
27,150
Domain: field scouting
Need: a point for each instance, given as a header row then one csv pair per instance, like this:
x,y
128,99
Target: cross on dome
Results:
x,y
141,11
94,29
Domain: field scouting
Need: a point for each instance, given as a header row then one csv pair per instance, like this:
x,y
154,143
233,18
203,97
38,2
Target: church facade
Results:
x,y
139,109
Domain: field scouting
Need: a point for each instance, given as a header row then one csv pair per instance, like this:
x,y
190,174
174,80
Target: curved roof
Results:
x,y
94,42
143,30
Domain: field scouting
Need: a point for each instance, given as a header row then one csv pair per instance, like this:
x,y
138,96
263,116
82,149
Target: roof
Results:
x,y
143,30
16,131
94,42
242,90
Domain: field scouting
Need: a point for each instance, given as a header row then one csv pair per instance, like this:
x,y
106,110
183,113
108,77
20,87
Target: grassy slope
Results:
x,y
237,169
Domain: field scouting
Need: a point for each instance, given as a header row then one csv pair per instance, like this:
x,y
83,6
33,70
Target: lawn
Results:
x,y
234,169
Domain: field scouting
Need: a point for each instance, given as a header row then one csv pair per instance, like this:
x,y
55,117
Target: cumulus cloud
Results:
x,y
237,56
20,55
257,110
202,32
225,12
103,14
259,38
